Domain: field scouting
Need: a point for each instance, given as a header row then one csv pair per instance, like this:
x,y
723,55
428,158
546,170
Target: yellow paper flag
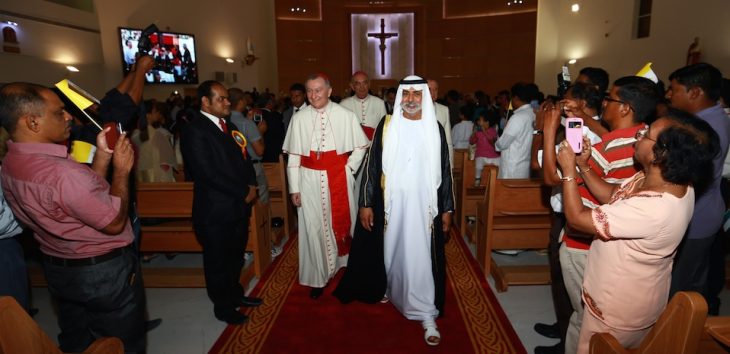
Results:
x,y
70,90
82,151
648,73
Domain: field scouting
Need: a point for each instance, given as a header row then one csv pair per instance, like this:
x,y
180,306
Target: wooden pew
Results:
x,y
513,214
469,196
678,330
174,203
279,199
457,172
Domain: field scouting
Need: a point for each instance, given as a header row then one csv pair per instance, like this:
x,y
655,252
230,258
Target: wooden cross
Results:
x,y
382,35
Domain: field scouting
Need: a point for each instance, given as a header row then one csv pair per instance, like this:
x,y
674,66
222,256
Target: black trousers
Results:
x,y
561,301
13,272
100,300
691,266
716,274
224,244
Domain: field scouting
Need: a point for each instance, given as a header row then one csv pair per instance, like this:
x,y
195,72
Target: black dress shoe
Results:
x,y
152,324
247,301
315,293
553,349
231,317
548,330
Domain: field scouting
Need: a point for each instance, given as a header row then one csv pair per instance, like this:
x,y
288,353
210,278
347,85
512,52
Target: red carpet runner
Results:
x,y
290,322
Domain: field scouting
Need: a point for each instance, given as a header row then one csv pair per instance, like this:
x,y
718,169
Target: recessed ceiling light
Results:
x,y
72,68
230,60
572,61
575,7
12,23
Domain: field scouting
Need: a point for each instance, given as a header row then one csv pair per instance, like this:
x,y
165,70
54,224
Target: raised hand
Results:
x,y
123,157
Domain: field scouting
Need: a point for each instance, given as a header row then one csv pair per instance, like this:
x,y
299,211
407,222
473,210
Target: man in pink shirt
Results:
x,y
79,220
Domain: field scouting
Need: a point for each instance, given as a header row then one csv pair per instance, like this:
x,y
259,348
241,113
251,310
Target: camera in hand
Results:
x,y
173,54
574,133
145,43
113,134
257,118
563,81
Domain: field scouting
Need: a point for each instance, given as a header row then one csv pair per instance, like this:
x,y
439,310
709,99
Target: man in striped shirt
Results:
x,y
629,106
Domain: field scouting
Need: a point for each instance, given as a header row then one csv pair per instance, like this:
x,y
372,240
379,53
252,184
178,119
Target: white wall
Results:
x,y
601,35
46,48
220,28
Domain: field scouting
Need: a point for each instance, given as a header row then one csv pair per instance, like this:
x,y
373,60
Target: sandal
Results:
x,y
431,334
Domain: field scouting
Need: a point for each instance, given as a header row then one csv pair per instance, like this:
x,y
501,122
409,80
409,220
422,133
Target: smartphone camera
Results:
x,y
145,44
574,133
257,118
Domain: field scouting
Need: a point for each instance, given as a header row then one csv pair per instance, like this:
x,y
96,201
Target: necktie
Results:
x,y
222,123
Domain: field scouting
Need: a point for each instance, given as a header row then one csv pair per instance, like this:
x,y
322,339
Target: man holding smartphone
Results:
x,y
79,219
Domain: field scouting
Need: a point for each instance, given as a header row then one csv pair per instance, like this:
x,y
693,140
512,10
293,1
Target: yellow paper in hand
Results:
x,y
82,151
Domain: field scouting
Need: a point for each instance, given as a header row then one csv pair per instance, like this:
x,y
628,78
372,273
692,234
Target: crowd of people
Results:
x,y
637,209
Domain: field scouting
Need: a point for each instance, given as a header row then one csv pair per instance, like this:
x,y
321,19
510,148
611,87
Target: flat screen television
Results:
x,y
174,55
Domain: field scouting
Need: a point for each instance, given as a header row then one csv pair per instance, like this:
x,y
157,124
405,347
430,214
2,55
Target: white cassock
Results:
x,y
442,116
407,241
369,111
331,129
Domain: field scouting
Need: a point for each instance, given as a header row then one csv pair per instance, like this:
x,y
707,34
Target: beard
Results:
x,y
411,107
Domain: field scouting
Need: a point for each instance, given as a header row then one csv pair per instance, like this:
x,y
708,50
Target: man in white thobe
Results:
x,y
405,210
326,146
516,140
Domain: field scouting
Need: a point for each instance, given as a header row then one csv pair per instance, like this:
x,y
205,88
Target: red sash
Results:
x,y
334,165
369,132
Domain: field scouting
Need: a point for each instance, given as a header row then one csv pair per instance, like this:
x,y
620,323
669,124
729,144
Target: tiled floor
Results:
x,y
189,326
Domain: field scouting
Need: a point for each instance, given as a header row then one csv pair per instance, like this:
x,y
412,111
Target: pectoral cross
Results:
x,y
382,36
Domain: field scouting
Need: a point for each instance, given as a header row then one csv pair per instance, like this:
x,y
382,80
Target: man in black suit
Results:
x,y
225,186
275,131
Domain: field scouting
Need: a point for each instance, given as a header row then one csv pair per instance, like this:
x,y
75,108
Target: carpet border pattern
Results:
x,y
488,327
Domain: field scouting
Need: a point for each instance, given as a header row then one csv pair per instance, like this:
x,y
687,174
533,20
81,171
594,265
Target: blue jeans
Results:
x,y
100,300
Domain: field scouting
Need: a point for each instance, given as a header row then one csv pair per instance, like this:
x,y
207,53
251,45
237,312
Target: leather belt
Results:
x,y
80,262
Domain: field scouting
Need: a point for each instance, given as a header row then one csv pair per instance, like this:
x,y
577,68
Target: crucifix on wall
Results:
x,y
382,35
382,44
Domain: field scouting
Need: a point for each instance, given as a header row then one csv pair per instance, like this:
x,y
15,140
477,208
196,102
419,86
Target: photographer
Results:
x,y
252,127
274,129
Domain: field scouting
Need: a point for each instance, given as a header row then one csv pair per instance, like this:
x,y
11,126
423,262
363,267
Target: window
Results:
x,y
643,18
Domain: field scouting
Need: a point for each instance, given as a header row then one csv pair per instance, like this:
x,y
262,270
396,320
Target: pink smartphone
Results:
x,y
574,133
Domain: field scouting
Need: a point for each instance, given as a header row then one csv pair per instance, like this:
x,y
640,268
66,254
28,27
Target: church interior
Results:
x,y
475,49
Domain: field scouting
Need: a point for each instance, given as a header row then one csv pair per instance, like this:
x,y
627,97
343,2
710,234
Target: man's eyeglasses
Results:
x,y
642,133
609,99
